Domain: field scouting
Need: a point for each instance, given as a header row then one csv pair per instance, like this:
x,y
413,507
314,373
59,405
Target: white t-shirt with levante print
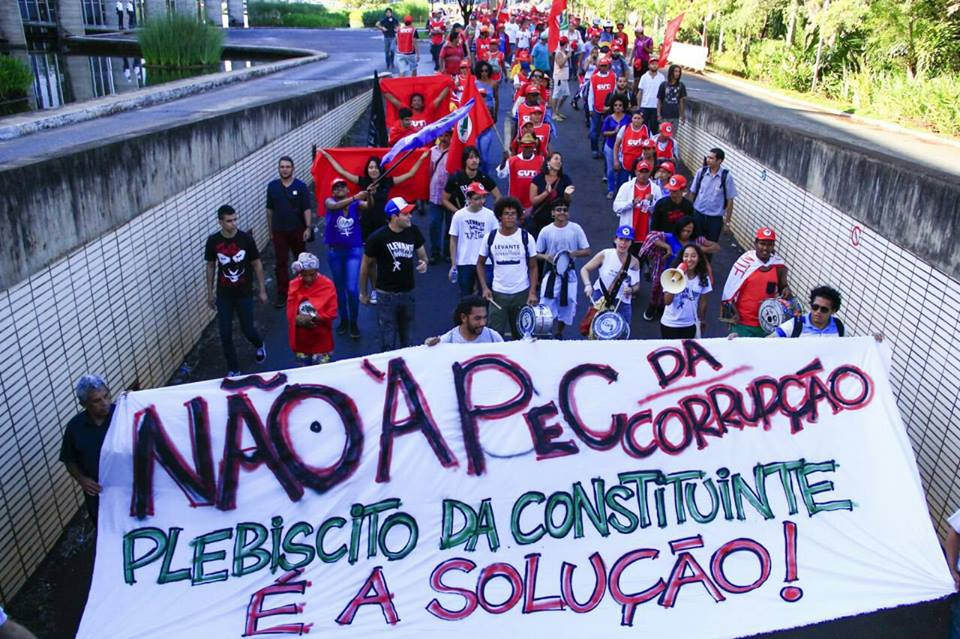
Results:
x,y
682,311
510,270
471,230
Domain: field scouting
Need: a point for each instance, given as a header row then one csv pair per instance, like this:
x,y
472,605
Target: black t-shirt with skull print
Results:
x,y
233,257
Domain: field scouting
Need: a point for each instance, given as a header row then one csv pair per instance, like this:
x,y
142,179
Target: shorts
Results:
x,y
407,62
561,89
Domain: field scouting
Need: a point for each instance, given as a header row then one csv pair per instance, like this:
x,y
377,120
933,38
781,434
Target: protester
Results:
x,y
550,185
648,88
373,216
666,146
561,77
345,251
668,210
642,50
620,37
540,55
408,55
455,190
610,129
439,247
230,255
659,248
388,26
515,281
469,229
685,312
672,98
10,629
602,83
418,113
469,325
559,289
540,129
289,222
628,146
713,190
622,89
402,128
521,169
609,263
388,263
820,321
452,54
83,438
664,171
311,309
757,275
635,200
437,28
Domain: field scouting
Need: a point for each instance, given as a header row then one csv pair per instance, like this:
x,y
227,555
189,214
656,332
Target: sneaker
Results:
x,y
354,331
342,328
261,353
648,314
373,297
609,195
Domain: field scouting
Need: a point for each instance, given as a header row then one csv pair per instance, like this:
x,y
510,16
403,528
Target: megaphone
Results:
x,y
673,281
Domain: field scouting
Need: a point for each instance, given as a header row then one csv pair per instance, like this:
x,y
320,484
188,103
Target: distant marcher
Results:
x,y
635,200
455,190
345,251
469,229
559,289
230,255
83,438
642,48
311,309
686,312
648,89
550,185
120,14
757,275
612,124
668,210
408,55
439,247
132,15
388,26
469,325
672,98
289,220
713,191
514,254
391,255
10,629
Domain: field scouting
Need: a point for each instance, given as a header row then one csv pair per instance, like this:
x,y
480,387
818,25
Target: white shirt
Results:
x,y
562,73
510,268
454,336
553,239
512,29
649,86
623,202
471,230
609,270
683,310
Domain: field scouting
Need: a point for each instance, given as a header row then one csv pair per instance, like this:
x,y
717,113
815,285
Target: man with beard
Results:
x,y
470,325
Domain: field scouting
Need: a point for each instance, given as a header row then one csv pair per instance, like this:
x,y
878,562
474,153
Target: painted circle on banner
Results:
x,y
500,439
855,233
464,128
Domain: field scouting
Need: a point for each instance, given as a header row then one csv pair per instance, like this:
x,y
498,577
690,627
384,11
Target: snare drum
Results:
x,y
773,312
610,325
535,321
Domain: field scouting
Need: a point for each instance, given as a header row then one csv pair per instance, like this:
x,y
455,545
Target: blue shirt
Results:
x,y
709,200
288,204
808,330
343,228
540,56
610,124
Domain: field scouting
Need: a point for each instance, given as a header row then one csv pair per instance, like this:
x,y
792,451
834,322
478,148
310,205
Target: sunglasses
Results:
x,y
820,309
561,208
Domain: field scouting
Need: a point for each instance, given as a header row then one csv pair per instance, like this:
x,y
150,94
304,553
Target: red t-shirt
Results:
x,y
763,283
523,113
665,149
405,36
437,30
522,173
622,38
602,85
542,131
451,55
641,212
630,145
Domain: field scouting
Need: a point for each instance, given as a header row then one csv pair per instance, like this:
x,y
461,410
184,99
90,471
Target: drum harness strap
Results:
x,y
798,326
564,283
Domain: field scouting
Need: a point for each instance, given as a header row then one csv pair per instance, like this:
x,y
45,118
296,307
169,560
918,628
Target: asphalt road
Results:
x,y
53,600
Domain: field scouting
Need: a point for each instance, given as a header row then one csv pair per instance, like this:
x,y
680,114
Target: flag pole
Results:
x,y
393,166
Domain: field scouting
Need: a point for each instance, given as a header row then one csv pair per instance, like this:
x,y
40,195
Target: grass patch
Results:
x,y
176,40
419,11
296,14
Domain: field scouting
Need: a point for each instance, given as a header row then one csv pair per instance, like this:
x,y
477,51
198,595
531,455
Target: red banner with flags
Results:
x,y
553,24
429,86
668,35
466,131
354,160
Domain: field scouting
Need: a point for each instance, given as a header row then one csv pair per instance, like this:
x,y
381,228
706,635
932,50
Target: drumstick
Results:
x,y
499,308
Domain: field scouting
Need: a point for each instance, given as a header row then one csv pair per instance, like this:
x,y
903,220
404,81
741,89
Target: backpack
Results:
x,y
798,326
723,182
524,238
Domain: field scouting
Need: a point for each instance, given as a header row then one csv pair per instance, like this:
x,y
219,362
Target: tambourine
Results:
x,y
610,325
535,321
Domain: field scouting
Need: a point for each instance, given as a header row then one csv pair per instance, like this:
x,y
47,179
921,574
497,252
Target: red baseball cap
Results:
x,y
766,233
408,19
476,188
605,60
676,183
642,165
465,64
666,128
531,88
564,39
668,166
536,109
336,181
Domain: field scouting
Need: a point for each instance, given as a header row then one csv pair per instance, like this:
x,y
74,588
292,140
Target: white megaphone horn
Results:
x,y
673,281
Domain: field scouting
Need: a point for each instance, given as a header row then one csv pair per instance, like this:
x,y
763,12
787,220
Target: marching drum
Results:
x,y
610,325
773,312
535,321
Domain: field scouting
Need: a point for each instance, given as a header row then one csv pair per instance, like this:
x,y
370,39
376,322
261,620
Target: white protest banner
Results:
x,y
702,489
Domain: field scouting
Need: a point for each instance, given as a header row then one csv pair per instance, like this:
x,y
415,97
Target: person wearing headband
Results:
x,y
311,309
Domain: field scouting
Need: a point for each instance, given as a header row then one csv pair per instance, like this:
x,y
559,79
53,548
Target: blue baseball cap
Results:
x,y
396,206
625,232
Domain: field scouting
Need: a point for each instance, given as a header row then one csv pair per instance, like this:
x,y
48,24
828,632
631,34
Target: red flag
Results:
x,y
553,24
671,32
429,86
354,160
466,131
502,15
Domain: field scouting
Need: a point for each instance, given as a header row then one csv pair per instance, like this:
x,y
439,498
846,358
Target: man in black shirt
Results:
x,y
230,255
388,261
288,222
669,209
83,438
388,25
455,191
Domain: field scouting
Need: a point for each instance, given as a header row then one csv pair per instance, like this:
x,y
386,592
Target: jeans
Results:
x,y
614,178
596,119
284,243
345,268
650,119
467,278
243,306
710,225
389,50
435,54
439,243
395,313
